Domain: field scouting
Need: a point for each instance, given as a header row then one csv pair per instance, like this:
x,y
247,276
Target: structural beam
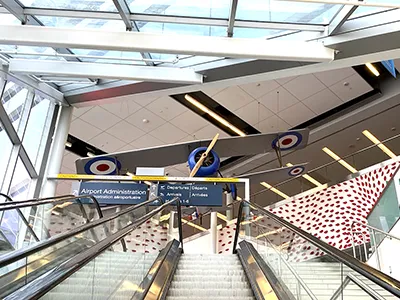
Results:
x,y
125,13
107,71
232,16
171,19
375,3
17,10
159,43
341,17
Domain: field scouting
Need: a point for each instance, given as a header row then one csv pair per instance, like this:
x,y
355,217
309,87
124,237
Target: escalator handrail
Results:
x,y
24,220
34,199
25,252
385,281
42,285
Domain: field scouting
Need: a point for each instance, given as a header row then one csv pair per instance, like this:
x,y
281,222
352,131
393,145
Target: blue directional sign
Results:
x,y
115,193
389,65
192,195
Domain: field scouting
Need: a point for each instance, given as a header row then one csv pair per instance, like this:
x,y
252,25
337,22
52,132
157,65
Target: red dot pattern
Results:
x,y
327,214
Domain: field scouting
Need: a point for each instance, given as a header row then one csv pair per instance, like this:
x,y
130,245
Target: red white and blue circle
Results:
x,y
295,171
102,166
287,141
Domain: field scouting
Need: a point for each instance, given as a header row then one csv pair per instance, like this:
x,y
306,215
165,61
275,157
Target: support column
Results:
x,y
214,232
229,212
57,151
54,162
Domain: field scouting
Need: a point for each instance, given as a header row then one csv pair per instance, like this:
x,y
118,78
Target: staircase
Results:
x,y
324,278
209,276
112,275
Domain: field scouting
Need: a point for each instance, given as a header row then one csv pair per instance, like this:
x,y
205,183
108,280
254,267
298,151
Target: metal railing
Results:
x,y
374,240
37,288
388,283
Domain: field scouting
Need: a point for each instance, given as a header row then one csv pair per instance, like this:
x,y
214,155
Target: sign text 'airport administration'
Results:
x,y
115,193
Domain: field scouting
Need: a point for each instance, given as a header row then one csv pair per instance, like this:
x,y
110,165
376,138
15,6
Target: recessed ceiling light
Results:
x,y
276,191
214,115
377,142
339,160
372,69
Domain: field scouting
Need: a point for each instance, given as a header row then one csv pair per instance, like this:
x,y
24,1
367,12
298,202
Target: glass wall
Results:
x,y
25,119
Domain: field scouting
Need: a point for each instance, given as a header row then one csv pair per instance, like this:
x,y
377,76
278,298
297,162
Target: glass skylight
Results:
x,y
95,5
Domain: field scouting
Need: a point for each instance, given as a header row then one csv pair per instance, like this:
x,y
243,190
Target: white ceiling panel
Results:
x,y
106,142
211,91
233,98
125,131
278,100
322,101
147,141
329,78
137,118
272,124
166,108
297,114
253,112
83,130
122,109
144,100
356,86
258,89
77,112
304,86
282,81
209,132
168,133
126,147
100,118
189,122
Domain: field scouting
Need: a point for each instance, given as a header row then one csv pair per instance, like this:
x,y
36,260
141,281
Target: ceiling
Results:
x,y
269,106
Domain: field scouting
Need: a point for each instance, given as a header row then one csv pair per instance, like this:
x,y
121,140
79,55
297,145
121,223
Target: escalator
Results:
x,y
263,264
21,222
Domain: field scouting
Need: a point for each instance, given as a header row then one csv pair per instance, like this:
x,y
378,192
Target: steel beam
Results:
x,y
42,89
125,13
341,17
351,2
159,43
232,16
171,19
108,71
15,9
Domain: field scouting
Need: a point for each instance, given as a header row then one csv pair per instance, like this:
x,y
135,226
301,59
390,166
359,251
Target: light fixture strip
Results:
x,y
193,225
339,160
276,191
308,177
214,115
377,142
372,69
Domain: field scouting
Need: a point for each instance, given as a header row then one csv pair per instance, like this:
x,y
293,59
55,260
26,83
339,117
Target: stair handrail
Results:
x,y
385,281
374,229
293,271
360,284
43,284
22,253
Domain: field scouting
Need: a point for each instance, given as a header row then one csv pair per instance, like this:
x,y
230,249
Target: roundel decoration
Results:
x,y
102,166
287,141
295,171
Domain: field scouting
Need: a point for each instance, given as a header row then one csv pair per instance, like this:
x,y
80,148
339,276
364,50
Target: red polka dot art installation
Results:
x,y
328,215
